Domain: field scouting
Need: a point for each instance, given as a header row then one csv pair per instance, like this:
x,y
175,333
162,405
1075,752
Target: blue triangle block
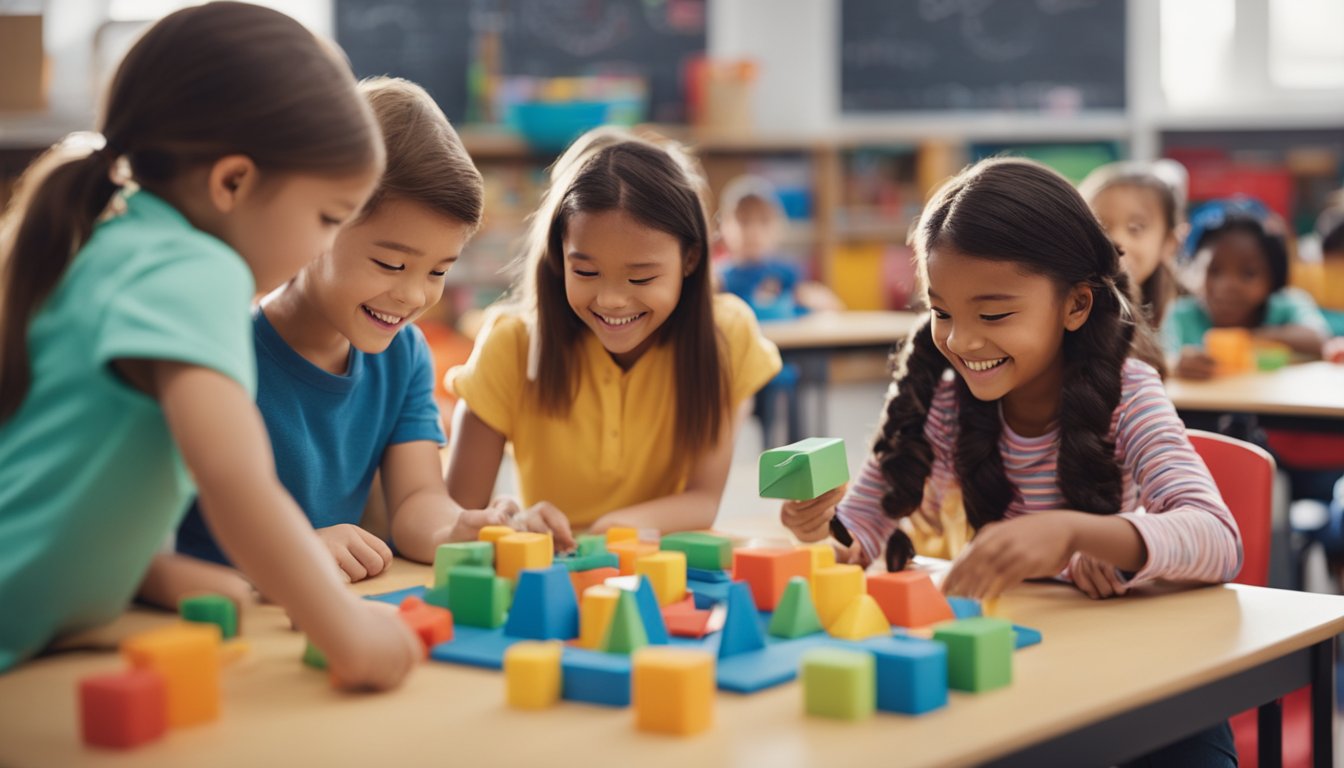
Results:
x,y
650,613
965,607
544,606
1025,636
742,631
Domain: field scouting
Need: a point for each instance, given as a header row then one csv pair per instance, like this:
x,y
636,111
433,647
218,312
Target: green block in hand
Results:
x,y
804,470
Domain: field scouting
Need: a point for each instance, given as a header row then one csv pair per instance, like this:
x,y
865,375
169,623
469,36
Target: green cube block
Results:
x,y
839,683
211,609
804,470
592,544
439,596
703,550
979,653
459,553
589,562
477,597
313,657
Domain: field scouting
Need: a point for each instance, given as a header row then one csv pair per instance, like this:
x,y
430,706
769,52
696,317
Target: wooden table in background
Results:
x,y
1309,397
838,331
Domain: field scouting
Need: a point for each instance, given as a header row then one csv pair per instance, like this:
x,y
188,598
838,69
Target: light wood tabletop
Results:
x,y
1313,390
830,331
1099,660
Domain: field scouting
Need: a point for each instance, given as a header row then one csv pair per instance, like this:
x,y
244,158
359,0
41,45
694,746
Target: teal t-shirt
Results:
x,y
1188,321
91,482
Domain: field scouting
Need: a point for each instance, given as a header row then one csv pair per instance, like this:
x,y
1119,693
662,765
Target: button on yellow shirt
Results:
x,y
614,449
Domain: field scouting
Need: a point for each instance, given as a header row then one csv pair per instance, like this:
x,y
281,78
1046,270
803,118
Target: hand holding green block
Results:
x,y
804,470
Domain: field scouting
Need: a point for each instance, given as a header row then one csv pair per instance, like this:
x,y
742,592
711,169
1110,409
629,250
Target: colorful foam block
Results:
x,y
673,690
621,534
493,533
629,551
823,556
523,551
742,627
703,550
833,589
625,633
909,598
768,572
911,674
544,607
595,678
187,657
666,571
979,653
707,577
477,597
439,596
603,559
313,657
692,623
582,580
965,607
591,544
532,674
458,553
805,469
839,683
795,616
430,623
124,709
596,608
211,609
859,620
650,613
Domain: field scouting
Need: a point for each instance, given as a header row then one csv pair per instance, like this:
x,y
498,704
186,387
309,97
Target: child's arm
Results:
x,y
474,455
1194,363
223,442
694,508
421,514
172,577
1302,339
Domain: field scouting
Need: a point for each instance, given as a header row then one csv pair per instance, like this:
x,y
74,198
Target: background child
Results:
x,y
1048,431
1239,279
619,378
751,221
345,381
127,363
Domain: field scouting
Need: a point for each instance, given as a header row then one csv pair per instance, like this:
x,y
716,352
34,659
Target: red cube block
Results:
x,y
768,571
432,624
124,709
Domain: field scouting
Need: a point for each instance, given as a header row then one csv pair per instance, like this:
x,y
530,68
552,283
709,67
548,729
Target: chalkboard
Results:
x,y
435,42
1017,55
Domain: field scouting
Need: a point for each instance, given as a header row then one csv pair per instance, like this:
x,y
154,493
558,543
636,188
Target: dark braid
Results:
x,y
985,490
903,452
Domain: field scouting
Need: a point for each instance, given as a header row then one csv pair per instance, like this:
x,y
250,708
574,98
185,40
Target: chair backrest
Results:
x,y
1244,474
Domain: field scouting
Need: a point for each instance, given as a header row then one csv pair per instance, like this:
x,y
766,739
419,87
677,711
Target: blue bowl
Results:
x,y
551,126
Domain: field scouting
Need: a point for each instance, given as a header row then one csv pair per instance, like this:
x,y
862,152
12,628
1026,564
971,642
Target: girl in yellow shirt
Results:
x,y
615,373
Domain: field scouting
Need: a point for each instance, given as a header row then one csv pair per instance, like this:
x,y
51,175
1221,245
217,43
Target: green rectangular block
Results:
x,y
979,653
592,544
313,657
589,562
703,550
211,609
804,470
839,683
477,597
460,553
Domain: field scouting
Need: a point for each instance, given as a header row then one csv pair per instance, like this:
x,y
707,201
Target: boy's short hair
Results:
x,y
749,189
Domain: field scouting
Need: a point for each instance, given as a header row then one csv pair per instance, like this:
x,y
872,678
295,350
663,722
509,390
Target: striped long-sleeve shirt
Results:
x,y
1169,495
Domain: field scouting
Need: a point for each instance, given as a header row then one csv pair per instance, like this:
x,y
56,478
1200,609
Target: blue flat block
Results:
x,y
710,577
911,674
965,607
1025,636
650,613
475,647
595,678
395,598
707,593
776,664
544,606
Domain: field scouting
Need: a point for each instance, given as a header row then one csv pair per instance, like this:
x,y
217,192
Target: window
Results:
x,y
1306,44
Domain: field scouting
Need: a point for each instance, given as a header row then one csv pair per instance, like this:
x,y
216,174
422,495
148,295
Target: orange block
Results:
x,y
686,623
621,534
909,599
585,579
630,550
493,533
672,690
768,572
519,552
187,656
430,623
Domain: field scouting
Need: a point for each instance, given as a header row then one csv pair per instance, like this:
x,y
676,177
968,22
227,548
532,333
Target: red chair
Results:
x,y
1244,474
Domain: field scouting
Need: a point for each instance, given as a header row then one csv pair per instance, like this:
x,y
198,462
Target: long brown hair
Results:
x,y
607,170
426,162
202,83
1021,212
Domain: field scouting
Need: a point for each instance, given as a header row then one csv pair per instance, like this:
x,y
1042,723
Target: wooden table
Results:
x,y
835,331
1112,679
1309,396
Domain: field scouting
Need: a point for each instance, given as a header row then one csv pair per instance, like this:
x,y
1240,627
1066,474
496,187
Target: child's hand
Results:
x,y
1006,553
1096,579
543,517
359,553
811,520
376,651
1195,363
471,521
851,555
1334,350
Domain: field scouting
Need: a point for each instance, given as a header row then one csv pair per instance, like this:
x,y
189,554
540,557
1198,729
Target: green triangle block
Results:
x,y
804,470
626,633
313,657
795,616
592,544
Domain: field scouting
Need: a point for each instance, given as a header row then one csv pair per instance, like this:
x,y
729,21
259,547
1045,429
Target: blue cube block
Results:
x,y
595,678
911,674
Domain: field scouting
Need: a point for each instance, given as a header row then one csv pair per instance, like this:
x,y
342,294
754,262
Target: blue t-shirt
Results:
x,y
329,431
766,286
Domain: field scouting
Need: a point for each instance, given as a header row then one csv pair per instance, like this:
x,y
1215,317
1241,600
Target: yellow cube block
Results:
x,y
532,673
835,587
823,556
629,551
666,571
595,611
493,533
523,551
672,690
187,655
621,534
